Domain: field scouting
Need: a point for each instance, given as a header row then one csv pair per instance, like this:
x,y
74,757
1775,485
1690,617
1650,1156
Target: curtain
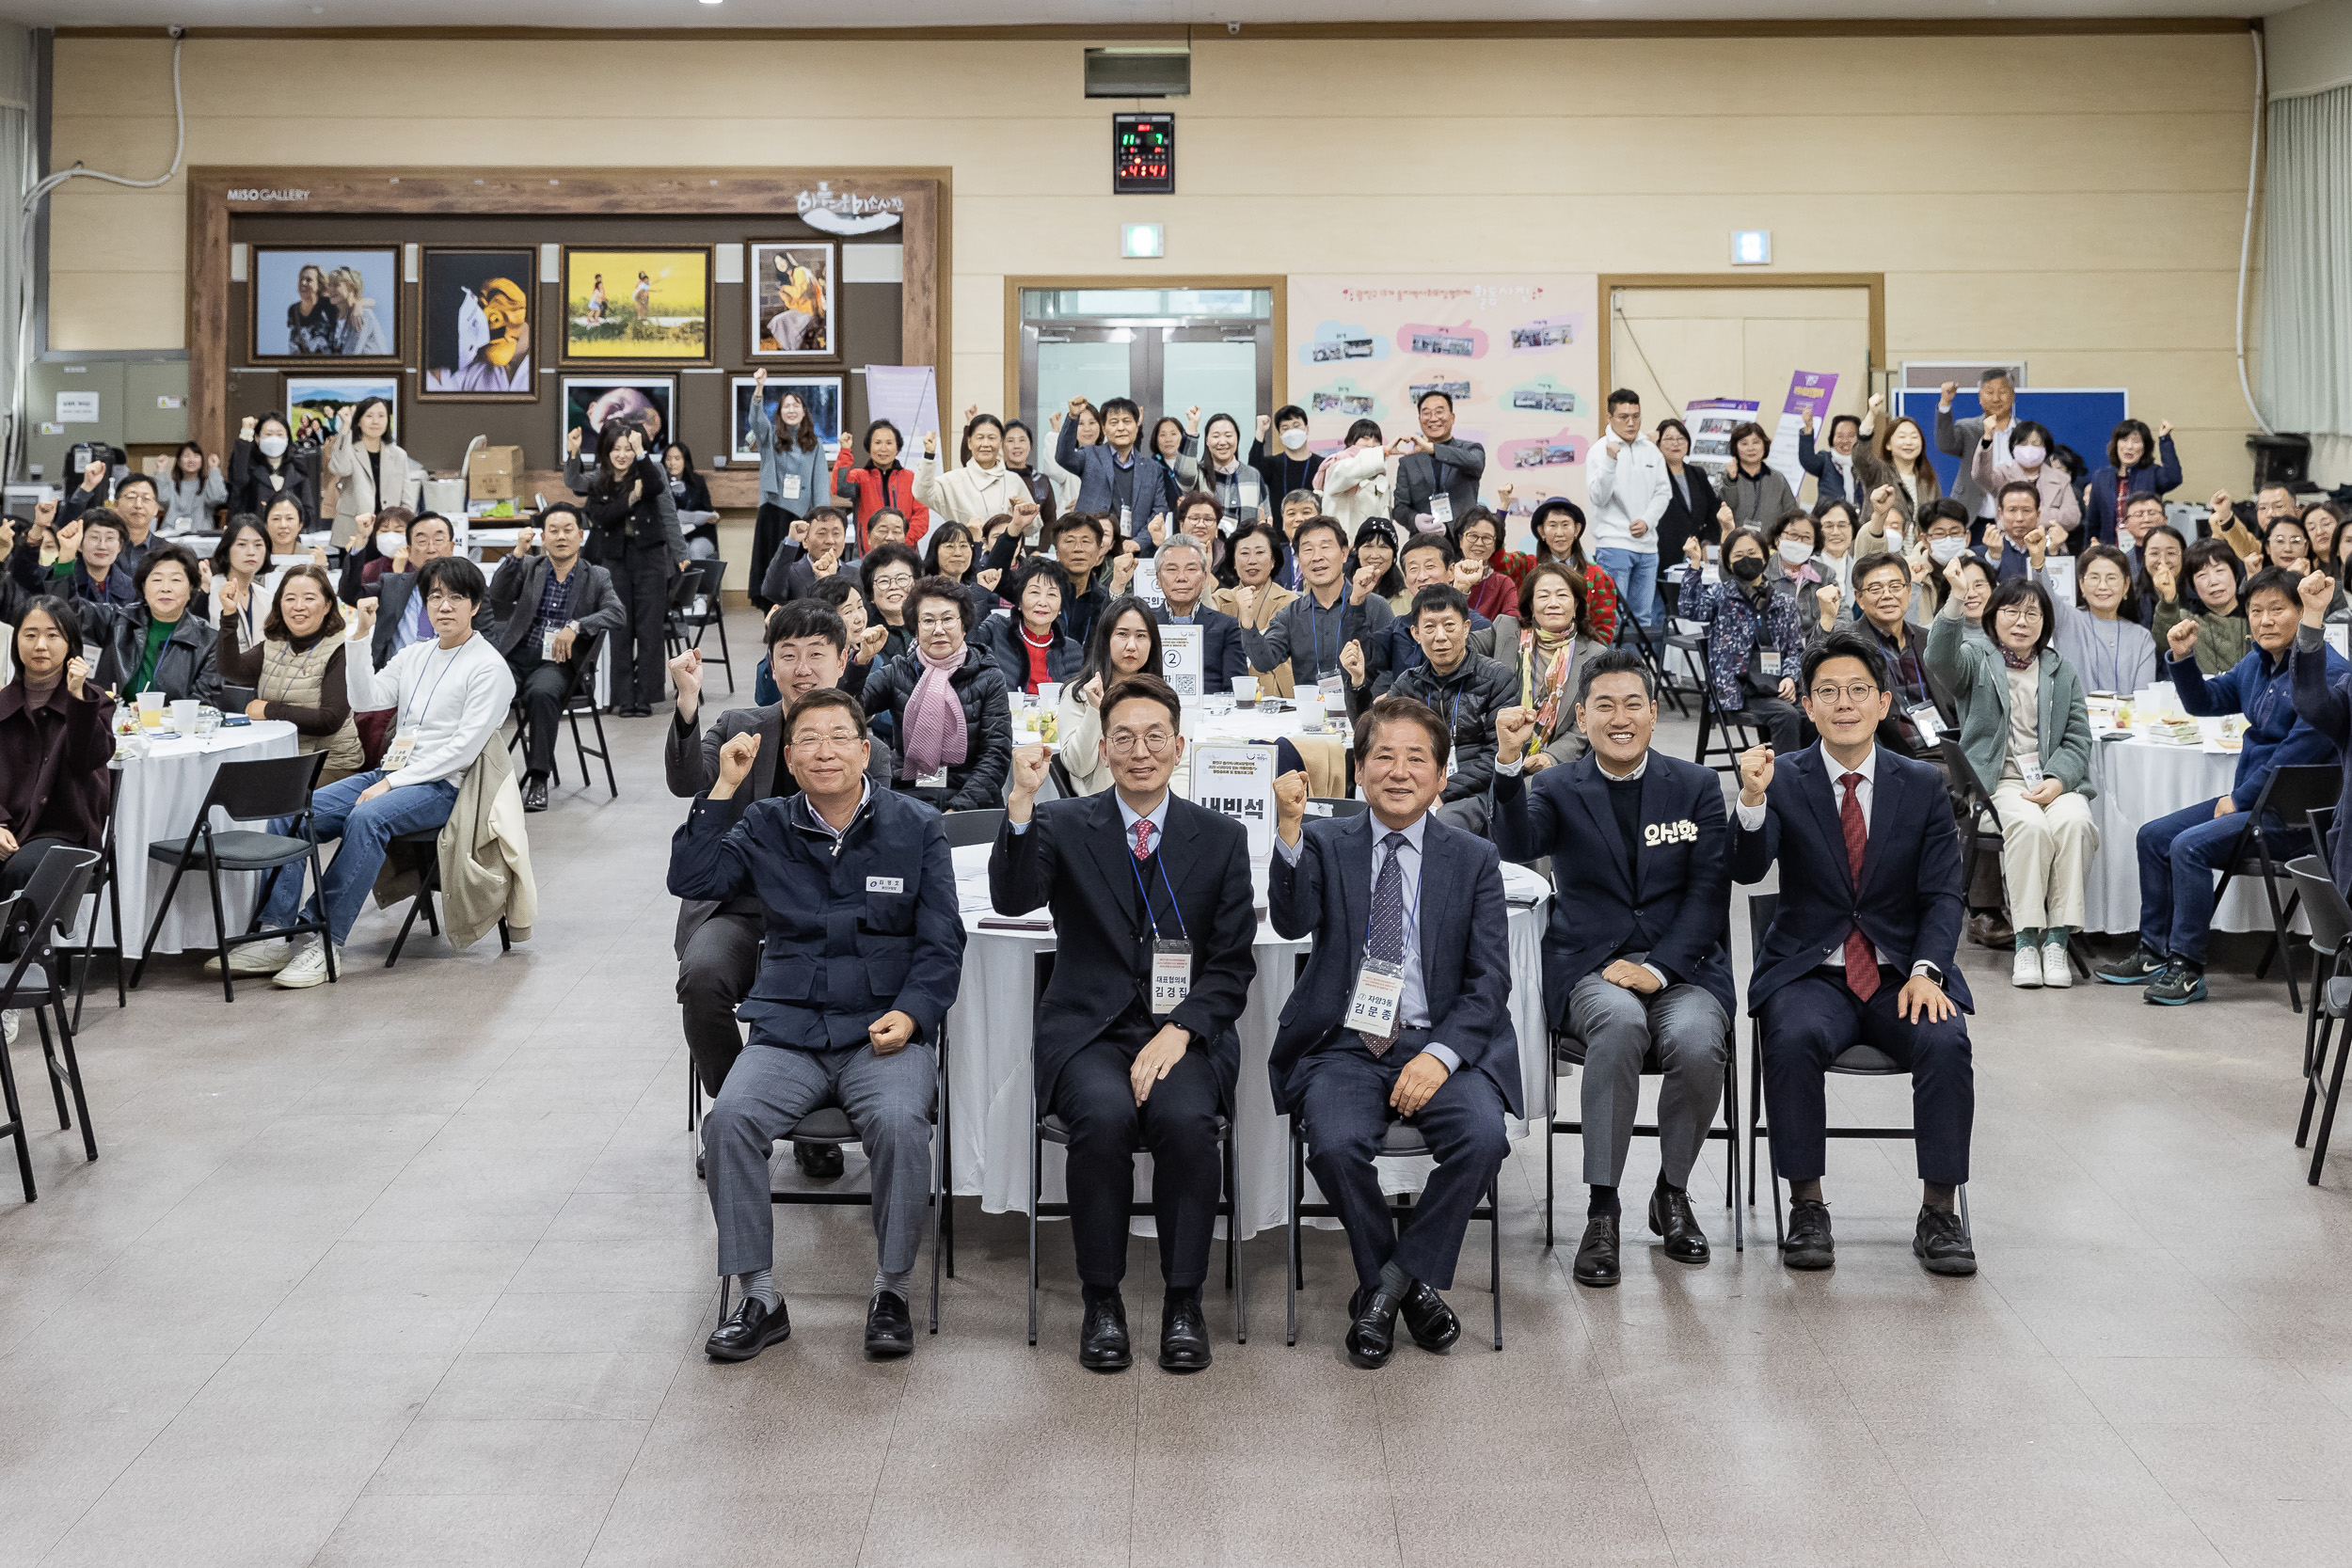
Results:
x,y
2307,272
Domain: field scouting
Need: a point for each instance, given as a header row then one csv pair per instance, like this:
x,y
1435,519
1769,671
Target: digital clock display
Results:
x,y
1143,154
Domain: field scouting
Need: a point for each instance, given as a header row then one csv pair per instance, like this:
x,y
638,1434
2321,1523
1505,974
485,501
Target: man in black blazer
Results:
x,y
1403,1011
1135,1045
1860,951
1439,475
1634,964
545,601
399,615
1184,569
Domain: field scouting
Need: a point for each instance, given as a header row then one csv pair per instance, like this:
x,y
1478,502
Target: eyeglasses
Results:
x,y
1858,693
892,579
940,622
1123,743
2025,609
830,738
444,596
1893,589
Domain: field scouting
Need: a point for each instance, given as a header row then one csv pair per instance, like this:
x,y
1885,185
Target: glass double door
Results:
x,y
1100,344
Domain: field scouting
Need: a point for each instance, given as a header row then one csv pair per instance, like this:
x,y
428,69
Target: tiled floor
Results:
x,y
415,1270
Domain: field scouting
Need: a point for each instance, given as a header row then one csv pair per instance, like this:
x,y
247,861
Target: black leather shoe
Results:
x,y
1103,1343
1184,1336
634,710
1597,1254
1939,1244
1670,1216
536,792
1429,1319
1808,1245
889,1328
752,1329
819,1162
1372,1326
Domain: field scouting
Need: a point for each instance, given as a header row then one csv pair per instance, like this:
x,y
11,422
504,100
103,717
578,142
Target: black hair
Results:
x,y
836,591
456,573
824,697
2010,593
1471,519
2203,554
2272,580
2019,487
1097,654
607,484
873,426
1438,596
1780,525
1543,546
166,555
1622,396
1113,406
798,618
1846,641
129,480
1438,541
886,555
1997,373
1579,588
2147,445
946,534
424,517
105,516
2128,609
1325,522
2286,519
1382,532
1616,661
1287,412
1360,429
1040,566
1836,419
1229,575
1148,688
945,589
238,526
2144,586
1393,709
1162,424
580,519
1878,560
62,614
1942,507
1435,392
1069,520
361,412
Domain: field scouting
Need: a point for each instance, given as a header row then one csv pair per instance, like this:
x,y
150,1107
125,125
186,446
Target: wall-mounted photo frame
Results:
x,y
589,401
311,303
820,394
312,400
647,306
793,286
474,340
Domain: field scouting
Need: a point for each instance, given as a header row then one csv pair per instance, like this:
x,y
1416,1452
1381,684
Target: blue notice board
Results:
x,y
2082,418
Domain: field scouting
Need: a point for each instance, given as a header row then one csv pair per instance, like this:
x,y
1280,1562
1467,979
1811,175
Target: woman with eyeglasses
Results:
x,y
1126,641
2100,634
2024,727
945,698
886,574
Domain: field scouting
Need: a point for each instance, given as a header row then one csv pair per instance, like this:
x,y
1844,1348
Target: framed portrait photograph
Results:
x,y
649,306
311,402
820,394
474,325
314,304
591,401
792,284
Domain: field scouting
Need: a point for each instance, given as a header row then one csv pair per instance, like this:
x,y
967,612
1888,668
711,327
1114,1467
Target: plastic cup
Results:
x,y
1246,690
183,715
150,710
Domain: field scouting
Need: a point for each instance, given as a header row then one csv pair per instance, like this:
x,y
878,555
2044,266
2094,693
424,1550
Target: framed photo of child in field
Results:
x,y
649,306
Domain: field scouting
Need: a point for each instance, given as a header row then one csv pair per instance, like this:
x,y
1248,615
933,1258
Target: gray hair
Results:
x,y
1617,661
1185,542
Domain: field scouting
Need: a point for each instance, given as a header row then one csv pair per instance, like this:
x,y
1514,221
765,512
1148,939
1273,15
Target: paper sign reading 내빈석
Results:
x,y
1238,781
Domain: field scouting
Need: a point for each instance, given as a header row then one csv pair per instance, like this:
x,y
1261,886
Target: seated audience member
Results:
x,y
690,492
1374,545
887,526
2138,462
945,700
1116,478
2024,729
2179,854
1835,525
80,560
2143,515
2217,578
156,644
1078,544
1255,556
1556,643
1135,1043
402,618
2325,702
853,984
1753,636
1560,536
1309,632
1427,561
1496,589
241,561
951,551
886,573
1883,595
1202,519
1028,645
193,492
1184,576
297,667
1298,509
2161,550
1860,951
1634,965
547,602
57,737
846,598
2286,546
799,564
380,541
982,487
1127,642
2100,634
287,519
1463,689
882,483
1412,1021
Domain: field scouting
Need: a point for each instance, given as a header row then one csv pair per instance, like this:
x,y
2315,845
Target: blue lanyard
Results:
x,y
1176,908
1412,916
424,699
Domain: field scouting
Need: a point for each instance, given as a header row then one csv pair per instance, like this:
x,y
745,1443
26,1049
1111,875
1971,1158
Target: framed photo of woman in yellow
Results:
x,y
794,289
649,306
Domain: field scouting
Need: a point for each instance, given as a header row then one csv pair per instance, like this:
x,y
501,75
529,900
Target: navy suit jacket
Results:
x,y
1908,903
1221,657
1465,932
1677,891
1075,858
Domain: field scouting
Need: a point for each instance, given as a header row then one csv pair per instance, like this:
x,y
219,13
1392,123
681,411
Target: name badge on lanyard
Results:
x,y
1379,992
791,487
1441,509
936,780
396,755
1171,975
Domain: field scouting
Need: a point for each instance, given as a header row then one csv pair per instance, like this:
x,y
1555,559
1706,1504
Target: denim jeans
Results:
x,y
336,813
1636,576
2178,857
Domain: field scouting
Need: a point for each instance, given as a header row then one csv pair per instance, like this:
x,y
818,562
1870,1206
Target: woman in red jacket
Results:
x,y
880,481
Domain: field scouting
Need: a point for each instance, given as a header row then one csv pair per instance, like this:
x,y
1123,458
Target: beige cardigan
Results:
x,y
484,855
1272,600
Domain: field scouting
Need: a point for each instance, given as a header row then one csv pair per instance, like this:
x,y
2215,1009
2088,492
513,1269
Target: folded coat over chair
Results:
x,y
484,855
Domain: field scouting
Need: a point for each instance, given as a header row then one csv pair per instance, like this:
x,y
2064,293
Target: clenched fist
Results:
x,y
2182,639
1028,777
1290,804
1512,725
1352,662
1755,774
735,764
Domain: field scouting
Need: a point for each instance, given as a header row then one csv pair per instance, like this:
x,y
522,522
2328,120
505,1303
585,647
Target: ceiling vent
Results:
x,y
1141,71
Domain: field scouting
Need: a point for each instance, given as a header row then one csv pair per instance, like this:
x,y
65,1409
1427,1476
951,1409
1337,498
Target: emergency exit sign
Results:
x,y
1143,154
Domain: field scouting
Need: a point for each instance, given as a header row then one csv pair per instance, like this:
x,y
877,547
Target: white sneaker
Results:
x,y
2025,973
256,958
8,1023
2057,971
308,967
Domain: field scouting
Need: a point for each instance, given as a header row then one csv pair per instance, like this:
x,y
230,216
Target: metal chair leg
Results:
x,y
2328,1114
1494,1251
15,1126
1037,1153
1290,1259
73,1081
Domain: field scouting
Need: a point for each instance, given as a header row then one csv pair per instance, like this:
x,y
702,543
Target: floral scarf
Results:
x,y
1544,694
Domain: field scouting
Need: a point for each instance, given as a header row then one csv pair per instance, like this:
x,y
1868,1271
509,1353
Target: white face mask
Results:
x,y
1796,552
1946,550
1294,437
390,543
2028,457
272,446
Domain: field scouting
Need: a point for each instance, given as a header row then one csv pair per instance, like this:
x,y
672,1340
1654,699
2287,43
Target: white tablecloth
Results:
x,y
156,798
2139,780
991,1085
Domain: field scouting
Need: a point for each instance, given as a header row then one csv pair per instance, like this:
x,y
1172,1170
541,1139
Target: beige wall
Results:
x,y
2073,201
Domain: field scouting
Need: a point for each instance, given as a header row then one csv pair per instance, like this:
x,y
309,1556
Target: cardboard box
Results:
x,y
492,474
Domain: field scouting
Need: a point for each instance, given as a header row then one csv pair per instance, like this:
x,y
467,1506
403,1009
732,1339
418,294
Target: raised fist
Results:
x,y
1755,774
1695,552
1028,772
2182,639
1352,661
1290,801
363,615
1512,725
2318,591
735,760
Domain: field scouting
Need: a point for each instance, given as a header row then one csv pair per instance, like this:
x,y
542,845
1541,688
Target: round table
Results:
x,y
991,1085
1324,752
2139,780
156,800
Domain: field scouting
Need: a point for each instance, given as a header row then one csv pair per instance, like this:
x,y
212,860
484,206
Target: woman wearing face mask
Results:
x,y
2100,634
2025,728
1751,495
241,574
1559,527
380,542
2030,445
1375,546
1791,539
1557,639
193,492
1899,456
951,723
2215,578
373,472
2162,551
56,739
295,667
263,465
2139,461
1254,559
1755,640
156,644
1065,482
1029,645
1020,461
1126,641
1239,490
1690,503
791,475
881,482
1356,481
983,487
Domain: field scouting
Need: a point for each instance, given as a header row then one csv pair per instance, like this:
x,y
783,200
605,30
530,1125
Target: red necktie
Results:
x,y
1143,838
1862,963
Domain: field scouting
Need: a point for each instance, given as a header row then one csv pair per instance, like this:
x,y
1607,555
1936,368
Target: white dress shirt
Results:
x,y
1412,1007
1752,817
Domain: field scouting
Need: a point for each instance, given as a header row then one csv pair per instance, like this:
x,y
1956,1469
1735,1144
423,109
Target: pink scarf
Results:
x,y
933,726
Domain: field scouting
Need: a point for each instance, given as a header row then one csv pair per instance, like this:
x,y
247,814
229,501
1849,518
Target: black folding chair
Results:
x,y
1738,734
34,919
1674,683
105,892
1630,630
2331,998
425,844
702,580
2288,797
579,697
1981,830
246,791
967,828
1569,1052
1855,1061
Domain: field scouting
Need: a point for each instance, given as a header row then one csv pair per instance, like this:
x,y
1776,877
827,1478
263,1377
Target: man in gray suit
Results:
x,y
550,608
1960,438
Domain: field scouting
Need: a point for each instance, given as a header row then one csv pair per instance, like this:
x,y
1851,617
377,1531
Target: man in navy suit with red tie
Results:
x,y
1860,950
